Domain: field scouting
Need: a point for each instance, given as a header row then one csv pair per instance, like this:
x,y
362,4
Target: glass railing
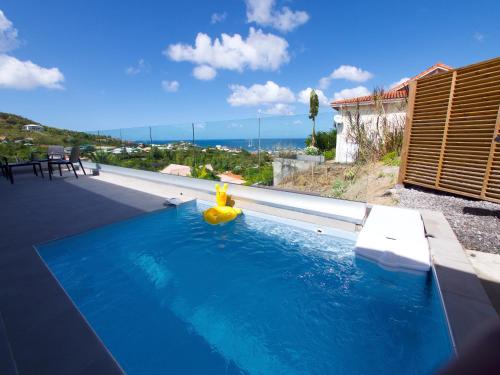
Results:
x,y
267,151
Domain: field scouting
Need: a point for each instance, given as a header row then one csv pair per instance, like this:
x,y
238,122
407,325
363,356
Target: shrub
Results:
x,y
351,173
377,136
102,157
329,155
203,173
339,187
311,150
261,176
325,140
391,158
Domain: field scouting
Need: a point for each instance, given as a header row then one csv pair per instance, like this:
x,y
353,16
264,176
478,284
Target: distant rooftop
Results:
x,y
33,127
177,170
231,177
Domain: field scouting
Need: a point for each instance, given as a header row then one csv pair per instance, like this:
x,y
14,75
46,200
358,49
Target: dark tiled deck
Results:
x,y
47,334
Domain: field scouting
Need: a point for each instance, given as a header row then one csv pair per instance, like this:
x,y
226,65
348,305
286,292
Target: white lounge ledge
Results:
x,y
394,238
348,211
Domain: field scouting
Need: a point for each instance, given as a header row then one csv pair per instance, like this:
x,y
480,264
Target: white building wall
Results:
x,y
346,149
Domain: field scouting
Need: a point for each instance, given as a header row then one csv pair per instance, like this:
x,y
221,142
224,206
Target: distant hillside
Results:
x,y
11,127
10,120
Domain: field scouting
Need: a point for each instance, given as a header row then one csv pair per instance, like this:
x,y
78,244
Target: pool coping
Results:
x,y
467,307
344,210
176,194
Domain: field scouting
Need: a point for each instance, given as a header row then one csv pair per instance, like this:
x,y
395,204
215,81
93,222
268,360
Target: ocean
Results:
x,y
268,144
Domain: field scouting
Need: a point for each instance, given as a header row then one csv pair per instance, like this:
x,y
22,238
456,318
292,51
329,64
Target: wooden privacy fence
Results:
x,y
449,141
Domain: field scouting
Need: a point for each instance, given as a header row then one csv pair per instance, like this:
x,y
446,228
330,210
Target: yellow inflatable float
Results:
x,y
224,211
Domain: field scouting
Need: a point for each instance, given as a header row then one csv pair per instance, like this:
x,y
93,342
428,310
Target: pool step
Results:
x,y
7,362
394,238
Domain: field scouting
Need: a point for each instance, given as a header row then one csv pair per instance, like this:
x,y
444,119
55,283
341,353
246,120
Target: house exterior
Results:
x,y
392,104
33,128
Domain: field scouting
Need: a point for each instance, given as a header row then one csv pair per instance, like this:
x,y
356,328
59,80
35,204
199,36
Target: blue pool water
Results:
x,y
167,293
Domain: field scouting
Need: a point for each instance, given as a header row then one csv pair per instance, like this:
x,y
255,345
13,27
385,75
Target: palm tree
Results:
x,y
313,112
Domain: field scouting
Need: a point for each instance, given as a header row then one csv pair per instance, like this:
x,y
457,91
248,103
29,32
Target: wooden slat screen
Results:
x,y
453,119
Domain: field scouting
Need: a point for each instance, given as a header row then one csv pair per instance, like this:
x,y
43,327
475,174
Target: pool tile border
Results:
x,y
467,306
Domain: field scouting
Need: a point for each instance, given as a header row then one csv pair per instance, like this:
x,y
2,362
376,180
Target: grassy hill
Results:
x,y
17,142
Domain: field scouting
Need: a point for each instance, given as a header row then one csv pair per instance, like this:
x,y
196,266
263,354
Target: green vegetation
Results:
x,y
313,112
264,176
15,142
329,155
242,162
352,172
311,150
325,140
391,158
339,187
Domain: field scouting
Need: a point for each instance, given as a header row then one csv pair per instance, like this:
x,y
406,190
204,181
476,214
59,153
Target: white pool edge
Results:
x,y
338,209
322,230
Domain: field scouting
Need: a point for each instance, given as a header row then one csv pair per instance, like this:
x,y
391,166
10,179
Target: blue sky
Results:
x,y
103,64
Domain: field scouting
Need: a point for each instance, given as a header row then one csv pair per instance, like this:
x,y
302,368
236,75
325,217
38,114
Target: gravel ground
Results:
x,y
476,223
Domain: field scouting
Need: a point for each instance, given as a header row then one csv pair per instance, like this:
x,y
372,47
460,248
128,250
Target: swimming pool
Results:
x,y
168,293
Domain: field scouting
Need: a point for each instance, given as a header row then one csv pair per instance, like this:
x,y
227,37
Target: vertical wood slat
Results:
x,y
491,155
445,132
449,143
407,131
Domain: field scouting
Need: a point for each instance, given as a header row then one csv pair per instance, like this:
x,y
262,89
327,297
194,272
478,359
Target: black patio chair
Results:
x,y
3,168
54,152
59,160
8,166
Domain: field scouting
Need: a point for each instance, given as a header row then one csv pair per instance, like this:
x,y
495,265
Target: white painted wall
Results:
x,y
346,149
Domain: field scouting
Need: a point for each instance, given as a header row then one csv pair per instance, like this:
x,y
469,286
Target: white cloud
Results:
x,y
347,72
259,51
141,67
8,34
22,75
267,94
170,86
218,17
25,75
204,72
279,109
351,93
263,13
304,95
479,36
397,83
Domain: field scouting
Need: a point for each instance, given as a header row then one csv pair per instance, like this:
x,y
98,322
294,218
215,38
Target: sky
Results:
x,y
89,65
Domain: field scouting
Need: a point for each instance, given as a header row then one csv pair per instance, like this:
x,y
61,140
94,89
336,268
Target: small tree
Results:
x,y
313,112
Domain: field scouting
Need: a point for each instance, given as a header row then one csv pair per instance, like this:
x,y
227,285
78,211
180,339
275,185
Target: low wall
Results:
x,y
283,168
